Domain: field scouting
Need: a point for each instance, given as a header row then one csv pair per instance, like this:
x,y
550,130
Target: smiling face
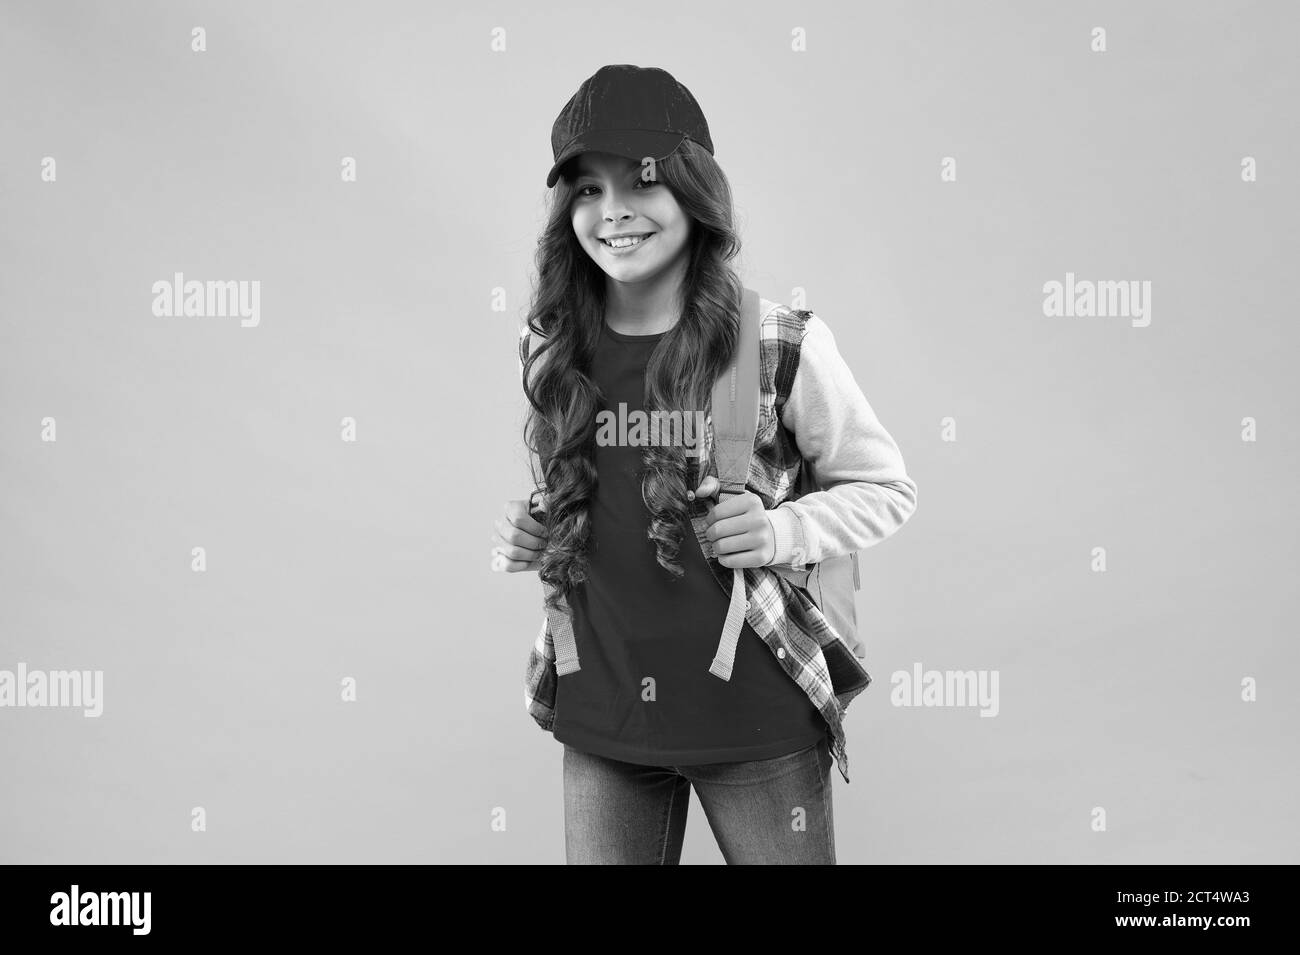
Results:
x,y
611,200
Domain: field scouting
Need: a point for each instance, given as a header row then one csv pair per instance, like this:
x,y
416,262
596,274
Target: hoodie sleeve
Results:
x,y
866,494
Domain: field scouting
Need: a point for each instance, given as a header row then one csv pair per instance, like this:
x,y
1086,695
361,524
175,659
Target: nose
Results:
x,y
616,209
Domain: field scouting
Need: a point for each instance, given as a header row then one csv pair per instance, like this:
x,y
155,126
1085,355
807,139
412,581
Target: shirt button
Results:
x,y
780,653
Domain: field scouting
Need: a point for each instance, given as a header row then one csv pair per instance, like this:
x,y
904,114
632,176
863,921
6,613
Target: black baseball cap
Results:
x,y
630,111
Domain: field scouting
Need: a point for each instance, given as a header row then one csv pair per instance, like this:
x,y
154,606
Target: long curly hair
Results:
x,y
568,309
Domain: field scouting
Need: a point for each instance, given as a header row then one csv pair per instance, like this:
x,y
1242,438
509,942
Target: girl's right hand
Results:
x,y
518,541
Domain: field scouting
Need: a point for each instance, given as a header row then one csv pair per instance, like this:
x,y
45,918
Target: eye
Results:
x,y
582,190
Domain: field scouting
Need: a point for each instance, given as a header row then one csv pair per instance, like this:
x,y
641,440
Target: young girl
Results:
x,y
637,309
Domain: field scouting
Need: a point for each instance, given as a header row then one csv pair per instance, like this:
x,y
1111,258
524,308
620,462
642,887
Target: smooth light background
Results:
x,y
371,560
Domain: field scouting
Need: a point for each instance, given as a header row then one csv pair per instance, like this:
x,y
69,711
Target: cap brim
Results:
x,y
634,144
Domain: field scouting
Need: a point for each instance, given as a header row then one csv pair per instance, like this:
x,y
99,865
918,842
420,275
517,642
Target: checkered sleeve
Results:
x,y
540,678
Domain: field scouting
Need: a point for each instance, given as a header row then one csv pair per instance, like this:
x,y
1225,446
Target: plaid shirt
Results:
x,y
782,615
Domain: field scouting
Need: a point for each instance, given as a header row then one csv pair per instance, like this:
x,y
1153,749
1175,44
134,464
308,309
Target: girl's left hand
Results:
x,y
741,533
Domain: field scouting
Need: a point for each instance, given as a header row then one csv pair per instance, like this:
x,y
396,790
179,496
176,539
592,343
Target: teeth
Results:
x,y
623,243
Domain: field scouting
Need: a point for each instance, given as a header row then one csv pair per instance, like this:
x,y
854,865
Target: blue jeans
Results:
x,y
762,812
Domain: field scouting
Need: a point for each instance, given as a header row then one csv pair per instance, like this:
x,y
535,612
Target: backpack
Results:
x,y
832,584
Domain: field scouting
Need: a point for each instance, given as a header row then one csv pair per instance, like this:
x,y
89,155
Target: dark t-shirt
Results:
x,y
632,621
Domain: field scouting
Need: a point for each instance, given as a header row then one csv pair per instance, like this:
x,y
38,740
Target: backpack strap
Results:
x,y
735,425
735,404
